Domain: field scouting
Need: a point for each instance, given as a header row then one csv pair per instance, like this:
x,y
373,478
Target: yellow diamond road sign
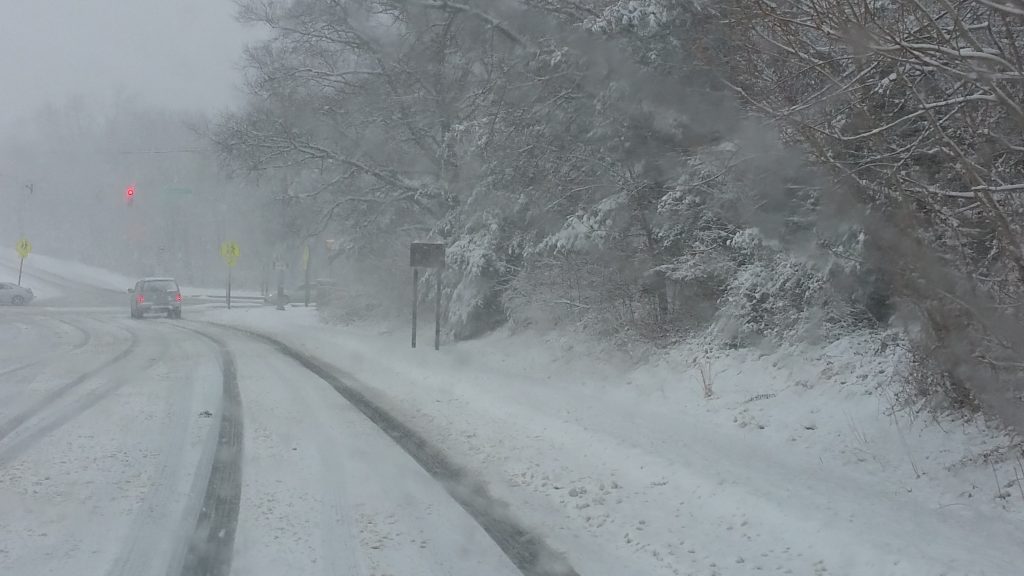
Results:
x,y
24,247
229,251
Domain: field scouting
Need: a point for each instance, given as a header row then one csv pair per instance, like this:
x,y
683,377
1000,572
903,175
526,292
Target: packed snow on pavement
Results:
x,y
115,459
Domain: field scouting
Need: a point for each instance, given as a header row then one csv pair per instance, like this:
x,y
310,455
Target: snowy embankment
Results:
x,y
79,273
92,276
798,462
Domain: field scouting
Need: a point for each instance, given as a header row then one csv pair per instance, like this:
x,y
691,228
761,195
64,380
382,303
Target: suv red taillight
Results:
x,y
140,299
177,297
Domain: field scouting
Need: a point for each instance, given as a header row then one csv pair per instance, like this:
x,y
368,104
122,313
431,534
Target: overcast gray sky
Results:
x,y
179,53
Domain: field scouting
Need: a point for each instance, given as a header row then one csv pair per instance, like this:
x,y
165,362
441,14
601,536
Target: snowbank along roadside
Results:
x,y
795,460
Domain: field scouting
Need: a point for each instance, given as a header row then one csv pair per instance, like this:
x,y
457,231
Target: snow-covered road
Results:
x,y
165,447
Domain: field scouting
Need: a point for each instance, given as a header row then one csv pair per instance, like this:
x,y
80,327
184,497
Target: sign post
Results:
x,y
24,247
305,264
229,252
427,255
280,285
415,301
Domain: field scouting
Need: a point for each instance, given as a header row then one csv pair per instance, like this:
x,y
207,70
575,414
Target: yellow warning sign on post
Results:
x,y
229,251
24,247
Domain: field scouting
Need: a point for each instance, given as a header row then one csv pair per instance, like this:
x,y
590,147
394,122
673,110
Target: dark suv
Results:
x,y
156,296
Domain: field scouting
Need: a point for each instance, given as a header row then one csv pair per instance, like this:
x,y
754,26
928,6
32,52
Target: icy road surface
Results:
x,y
170,447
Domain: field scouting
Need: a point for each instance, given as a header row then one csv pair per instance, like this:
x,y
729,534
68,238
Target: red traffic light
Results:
x,y
130,192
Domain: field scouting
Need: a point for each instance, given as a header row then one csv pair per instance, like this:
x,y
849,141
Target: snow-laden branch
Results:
x,y
964,53
1005,188
1004,8
278,145
928,106
455,7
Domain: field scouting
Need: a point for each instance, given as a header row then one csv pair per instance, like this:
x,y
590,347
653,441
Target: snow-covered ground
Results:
x,y
43,291
799,462
792,461
80,273
92,276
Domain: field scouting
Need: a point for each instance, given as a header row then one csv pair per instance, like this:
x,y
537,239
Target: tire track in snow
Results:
x,y
39,406
279,416
211,545
86,337
528,551
147,550
69,411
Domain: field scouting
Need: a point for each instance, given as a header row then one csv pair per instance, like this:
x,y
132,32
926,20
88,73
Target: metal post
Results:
x,y
307,276
280,288
415,297
437,312
20,266
21,209
229,288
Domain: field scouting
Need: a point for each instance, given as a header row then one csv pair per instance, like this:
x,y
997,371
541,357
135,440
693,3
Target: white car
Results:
x,y
14,294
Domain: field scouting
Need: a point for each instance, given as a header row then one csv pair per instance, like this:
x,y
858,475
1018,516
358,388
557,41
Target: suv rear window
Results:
x,y
160,286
